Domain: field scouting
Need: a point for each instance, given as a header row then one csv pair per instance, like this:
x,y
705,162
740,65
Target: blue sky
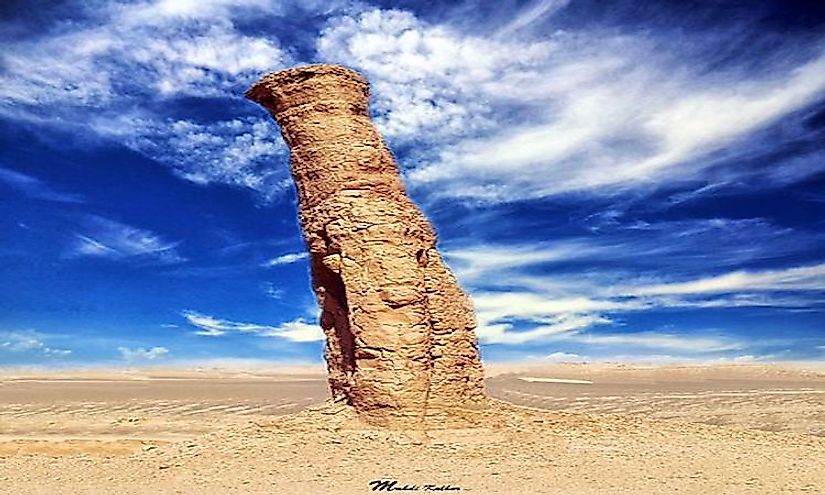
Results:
x,y
610,180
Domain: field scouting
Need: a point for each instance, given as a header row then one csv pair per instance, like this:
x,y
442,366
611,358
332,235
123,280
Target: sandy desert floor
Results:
x,y
572,429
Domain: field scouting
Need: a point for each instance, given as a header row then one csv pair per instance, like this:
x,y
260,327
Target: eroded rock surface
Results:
x,y
400,338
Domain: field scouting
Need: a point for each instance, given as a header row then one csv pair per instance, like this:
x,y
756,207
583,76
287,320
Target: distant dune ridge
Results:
x,y
400,339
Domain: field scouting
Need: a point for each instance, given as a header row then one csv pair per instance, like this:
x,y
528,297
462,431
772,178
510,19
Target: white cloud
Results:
x,y
620,131
564,357
474,262
426,78
800,278
296,330
497,306
504,333
49,351
208,325
139,45
29,342
36,188
99,73
286,259
516,302
105,238
141,353
594,111
523,317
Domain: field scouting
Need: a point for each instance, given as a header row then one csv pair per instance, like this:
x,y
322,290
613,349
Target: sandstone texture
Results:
x,y
400,339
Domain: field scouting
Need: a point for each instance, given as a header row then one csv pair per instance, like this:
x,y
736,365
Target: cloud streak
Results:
x,y
105,238
286,259
36,188
799,278
296,330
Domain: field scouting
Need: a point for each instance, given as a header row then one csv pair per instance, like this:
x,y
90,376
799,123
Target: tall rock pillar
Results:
x,y
400,333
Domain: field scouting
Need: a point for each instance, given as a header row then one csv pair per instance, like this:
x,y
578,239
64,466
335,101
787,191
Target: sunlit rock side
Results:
x,y
400,333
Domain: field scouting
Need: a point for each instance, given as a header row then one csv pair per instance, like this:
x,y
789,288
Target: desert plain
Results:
x,y
553,428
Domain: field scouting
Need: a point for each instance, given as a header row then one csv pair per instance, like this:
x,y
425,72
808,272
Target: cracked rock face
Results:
x,y
400,338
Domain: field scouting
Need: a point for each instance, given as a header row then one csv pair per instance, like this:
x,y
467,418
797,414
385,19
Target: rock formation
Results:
x,y
400,340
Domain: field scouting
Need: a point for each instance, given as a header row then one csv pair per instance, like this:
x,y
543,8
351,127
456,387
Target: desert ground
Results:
x,y
553,428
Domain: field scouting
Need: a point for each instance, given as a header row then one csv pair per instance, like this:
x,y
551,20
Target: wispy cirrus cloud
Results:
x,y
120,70
535,110
538,297
104,238
516,318
151,47
499,331
475,262
797,278
597,111
296,330
35,188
